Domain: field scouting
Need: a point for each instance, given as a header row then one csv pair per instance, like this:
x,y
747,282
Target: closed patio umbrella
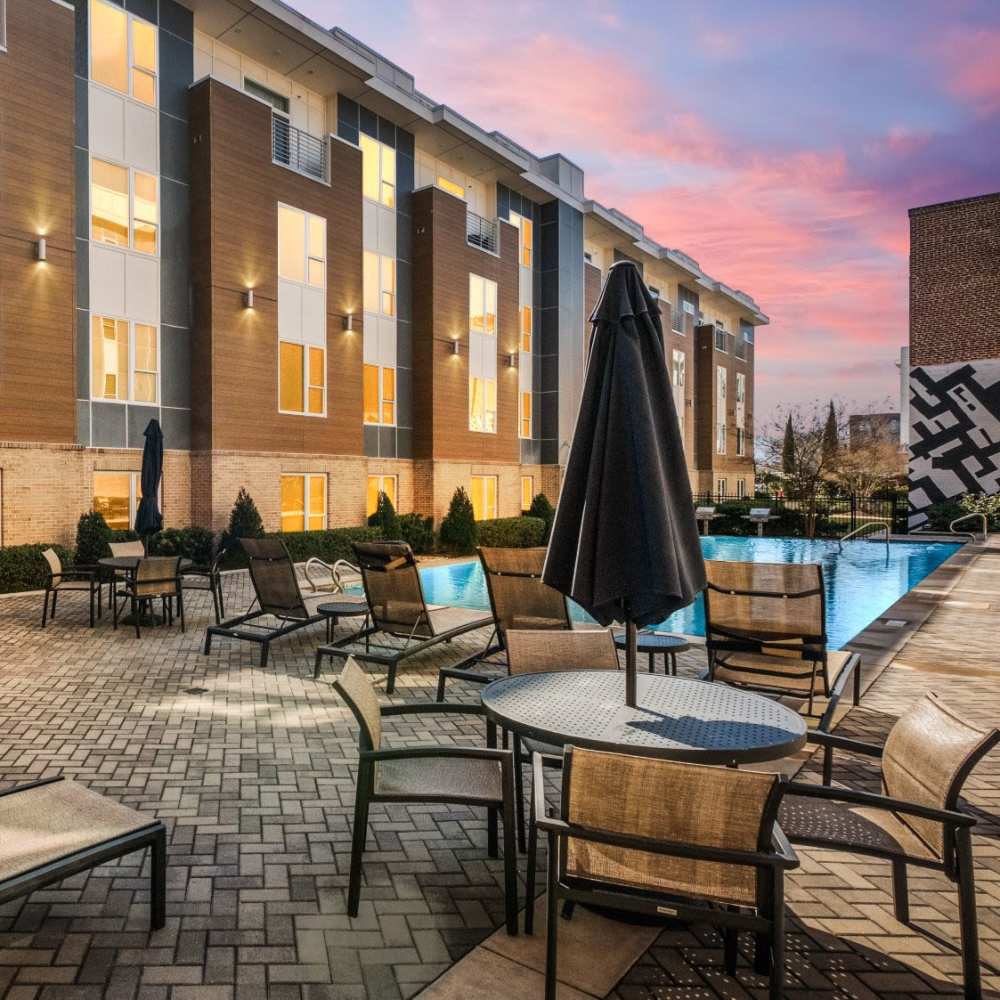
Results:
x,y
148,519
624,543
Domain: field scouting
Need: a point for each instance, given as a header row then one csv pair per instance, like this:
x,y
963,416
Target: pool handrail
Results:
x,y
978,515
878,525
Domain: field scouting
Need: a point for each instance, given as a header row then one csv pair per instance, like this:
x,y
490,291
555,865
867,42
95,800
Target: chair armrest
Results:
x,y
75,574
874,801
538,762
431,707
835,742
782,845
504,757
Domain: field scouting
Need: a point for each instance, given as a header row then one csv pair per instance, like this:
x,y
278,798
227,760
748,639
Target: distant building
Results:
x,y
868,428
904,397
954,354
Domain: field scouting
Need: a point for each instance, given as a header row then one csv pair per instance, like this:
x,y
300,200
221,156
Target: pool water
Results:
x,y
861,581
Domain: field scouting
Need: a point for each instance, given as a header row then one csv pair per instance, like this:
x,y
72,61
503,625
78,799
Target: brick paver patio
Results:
x,y
252,771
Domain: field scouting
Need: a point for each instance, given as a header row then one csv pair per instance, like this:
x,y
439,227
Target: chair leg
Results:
x,y
440,687
136,614
158,882
358,838
510,838
265,648
114,609
568,907
900,892
857,683
730,946
91,606
180,607
318,664
207,648
777,983
390,681
45,607
519,792
552,930
529,877
967,914
52,613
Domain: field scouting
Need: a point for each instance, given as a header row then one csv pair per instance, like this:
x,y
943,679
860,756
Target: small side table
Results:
x,y
652,643
344,606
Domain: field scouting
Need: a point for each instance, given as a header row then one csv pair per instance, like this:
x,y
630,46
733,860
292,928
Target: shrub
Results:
x,y
124,535
459,532
92,537
523,532
245,520
385,518
940,515
196,544
418,532
23,567
540,507
329,545
982,503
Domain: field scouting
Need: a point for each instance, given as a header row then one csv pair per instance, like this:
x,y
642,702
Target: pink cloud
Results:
x,y
972,58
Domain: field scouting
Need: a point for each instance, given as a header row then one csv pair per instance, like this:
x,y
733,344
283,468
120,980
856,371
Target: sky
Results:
x,y
778,142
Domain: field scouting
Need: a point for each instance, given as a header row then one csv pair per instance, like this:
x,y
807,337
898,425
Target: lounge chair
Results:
x,y
54,828
430,774
59,581
765,628
400,617
705,516
277,596
928,755
620,841
518,600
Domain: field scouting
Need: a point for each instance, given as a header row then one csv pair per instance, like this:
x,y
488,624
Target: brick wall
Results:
x,y
955,281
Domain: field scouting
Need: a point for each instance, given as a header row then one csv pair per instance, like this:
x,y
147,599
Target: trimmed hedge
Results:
x,y
523,532
789,523
418,532
23,567
196,544
329,545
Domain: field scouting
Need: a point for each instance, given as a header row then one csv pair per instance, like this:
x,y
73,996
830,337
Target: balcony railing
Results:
x,y
292,147
740,348
681,321
722,341
482,233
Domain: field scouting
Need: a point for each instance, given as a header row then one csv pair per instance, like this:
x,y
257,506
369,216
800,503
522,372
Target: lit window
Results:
x,y
301,378
3,25
145,213
721,487
741,443
110,217
741,488
378,164
482,305
741,387
115,497
123,52
301,247
118,360
317,379
483,404
381,484
379,283
527,492
678,377
526,414
484,497
526,246
144,62
451,187
526,328
720,438
379,395
303,502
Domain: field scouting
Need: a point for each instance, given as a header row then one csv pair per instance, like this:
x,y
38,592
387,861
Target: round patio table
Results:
x,y
676,718
344,606
651,643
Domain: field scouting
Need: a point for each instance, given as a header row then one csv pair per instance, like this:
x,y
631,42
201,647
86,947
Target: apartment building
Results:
x,y
321,282
953,360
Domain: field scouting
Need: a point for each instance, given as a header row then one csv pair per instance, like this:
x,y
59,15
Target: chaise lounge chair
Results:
x,y
401,621
278,597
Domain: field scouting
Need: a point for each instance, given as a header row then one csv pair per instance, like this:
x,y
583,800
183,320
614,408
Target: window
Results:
x,y
379,395
482,305
527,492
378,164
741,387
124,361
301,247
379,284
483,404
741,488
720,438
451,187
277,101
381,484
721,487
526,242
720,409
301,378
741,442
678,378
525,429
484,497
116,495
303,502
3,25
526,329
113,189
123,52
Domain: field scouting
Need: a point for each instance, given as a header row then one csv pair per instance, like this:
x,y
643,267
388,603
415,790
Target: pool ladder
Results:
x,y
880,526
971,535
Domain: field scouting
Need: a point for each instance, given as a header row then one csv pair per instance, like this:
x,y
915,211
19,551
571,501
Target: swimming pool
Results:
x,y
860,582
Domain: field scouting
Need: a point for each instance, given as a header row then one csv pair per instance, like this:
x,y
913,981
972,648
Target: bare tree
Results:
x,y
869,467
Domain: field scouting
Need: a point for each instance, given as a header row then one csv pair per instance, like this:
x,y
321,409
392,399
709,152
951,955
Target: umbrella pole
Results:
x,y
630,666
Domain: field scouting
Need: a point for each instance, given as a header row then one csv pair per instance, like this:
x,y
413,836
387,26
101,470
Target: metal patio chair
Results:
x,y
208,578
518,600
276,596
59,581
156,578
929,753
454,775
401,621
622,840
765,628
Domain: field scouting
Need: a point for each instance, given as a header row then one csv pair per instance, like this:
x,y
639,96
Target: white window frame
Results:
x,y
130,66
486,342
381,395
484,409
382,480
381,147
741,442
521,414
381,260
307,478
307,257
134,489
130,374
531,481
3,25
741,489
306,385
721,488
132,171
721,398
496,495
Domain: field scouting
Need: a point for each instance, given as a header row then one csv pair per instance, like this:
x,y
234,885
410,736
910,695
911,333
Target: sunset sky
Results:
x,y
779,142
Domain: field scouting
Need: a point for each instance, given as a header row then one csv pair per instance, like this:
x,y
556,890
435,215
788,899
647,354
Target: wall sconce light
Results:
x,y
248,298
42,249
349,323
512,360
454,347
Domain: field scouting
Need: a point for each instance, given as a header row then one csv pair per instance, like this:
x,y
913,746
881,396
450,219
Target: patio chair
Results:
x,y
277,596
929,753
59,581
623,841
55,828
518,600
121,550
400,617
208,578
454,775
156,578
765,628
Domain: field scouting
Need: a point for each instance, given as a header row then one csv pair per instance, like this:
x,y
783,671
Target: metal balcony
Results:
x,y
302,152
482,233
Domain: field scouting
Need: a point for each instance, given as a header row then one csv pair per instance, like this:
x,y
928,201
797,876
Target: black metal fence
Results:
x,y
835,516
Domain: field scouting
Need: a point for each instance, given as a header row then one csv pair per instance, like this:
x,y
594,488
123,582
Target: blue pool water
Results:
x,y
861,581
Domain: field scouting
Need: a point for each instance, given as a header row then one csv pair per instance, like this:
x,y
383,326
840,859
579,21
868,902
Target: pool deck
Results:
x,y
252,771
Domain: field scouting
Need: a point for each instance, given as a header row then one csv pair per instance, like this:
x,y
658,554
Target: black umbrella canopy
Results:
x,y
624,544
148,519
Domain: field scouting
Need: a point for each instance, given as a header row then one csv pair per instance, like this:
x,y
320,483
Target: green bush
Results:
x,y
196,544
329,545
245,520
540,507
92,537
23,567
523,532
126,535
385,518
418,532
940,515
981,503
459,532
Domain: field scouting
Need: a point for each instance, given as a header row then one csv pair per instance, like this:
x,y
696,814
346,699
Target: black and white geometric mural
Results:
x,y
954,433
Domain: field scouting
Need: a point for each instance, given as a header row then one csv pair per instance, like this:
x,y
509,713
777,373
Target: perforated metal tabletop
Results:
x,y
676,718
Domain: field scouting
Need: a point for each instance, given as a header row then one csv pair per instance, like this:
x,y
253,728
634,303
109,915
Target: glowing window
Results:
x,y
484,497
381,484
303,502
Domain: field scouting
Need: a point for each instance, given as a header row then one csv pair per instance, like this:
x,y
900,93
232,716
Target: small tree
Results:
x,y
92,538
869,467
831,436
540,507
385,518
788,449
459,531
245,520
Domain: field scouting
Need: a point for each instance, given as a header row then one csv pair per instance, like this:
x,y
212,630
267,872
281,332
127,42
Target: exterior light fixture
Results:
x,y
454,347
511,360
42,249
248,298
349,323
